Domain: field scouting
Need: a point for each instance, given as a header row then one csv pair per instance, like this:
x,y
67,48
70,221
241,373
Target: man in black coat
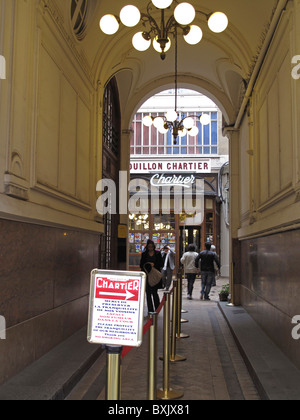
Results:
x,y
207,259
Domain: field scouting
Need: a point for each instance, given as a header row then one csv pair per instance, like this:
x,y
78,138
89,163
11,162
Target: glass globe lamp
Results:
x,y
162,4
218,22
130,16
194,36
109,24
140,43
184,13
171,115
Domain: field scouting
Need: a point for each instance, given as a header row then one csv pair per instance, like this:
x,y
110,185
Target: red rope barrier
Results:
x,y
147,326
161,306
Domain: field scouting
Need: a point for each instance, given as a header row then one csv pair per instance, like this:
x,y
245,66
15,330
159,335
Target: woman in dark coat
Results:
x,y
152,258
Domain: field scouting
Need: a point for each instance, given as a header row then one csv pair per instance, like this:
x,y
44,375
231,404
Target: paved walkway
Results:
x,y
214,369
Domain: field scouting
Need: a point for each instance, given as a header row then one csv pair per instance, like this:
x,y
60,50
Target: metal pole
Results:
x,y
180,278
175,357
166,393
152,359
182,321
113,373
179,308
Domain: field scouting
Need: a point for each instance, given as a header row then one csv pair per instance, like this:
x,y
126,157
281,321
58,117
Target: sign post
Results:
x,y
116,315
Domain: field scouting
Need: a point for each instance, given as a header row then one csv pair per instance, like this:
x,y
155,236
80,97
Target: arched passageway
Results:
x,y
51,157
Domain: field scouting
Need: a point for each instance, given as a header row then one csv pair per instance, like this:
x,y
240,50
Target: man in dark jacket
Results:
x,y
207,259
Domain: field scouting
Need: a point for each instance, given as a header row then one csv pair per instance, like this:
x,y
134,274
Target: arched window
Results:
x,y
79,9
111,134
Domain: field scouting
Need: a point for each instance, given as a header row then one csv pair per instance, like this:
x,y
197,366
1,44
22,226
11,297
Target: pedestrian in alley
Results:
x,y
207,259
213,249
188,260
169,264
152,259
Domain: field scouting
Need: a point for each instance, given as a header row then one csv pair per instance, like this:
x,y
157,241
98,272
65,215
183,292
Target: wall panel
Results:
x,y
45,276
48,125
270,286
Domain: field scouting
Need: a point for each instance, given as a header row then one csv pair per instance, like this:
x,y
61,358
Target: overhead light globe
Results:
x,y
171,115
218,22
205,119
157,47
184,13
159,122
163,130
182,133
147,121
109,24
194,131
188,123
194,36
162,4
140,43
130,16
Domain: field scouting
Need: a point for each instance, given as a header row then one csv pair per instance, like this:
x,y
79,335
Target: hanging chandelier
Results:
x,y
179,127
159,34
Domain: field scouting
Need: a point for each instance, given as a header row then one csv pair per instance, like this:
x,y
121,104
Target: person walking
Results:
x,y
214,284
169,264
188,261
151,258
207,259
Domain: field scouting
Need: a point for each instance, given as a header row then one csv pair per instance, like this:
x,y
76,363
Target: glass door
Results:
x,y
190,235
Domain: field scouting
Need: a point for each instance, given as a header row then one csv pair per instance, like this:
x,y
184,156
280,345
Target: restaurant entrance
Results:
x,y
190,235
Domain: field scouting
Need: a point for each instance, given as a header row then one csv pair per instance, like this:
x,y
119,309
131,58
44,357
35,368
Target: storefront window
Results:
x,y
191,219
139,222
164,222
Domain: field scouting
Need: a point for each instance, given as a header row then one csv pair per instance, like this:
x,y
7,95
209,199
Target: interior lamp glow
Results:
x,y
194,36
109,24
157,46
205,119
182,133
171,115
163,130
162,4
140,43
147,121
194,131
188,123
218,22
130,16
184,13
158,123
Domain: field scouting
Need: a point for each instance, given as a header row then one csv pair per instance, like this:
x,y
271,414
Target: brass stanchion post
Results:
x,y
179,308
180,278
182,321
152,359
113,373
166,393
175,357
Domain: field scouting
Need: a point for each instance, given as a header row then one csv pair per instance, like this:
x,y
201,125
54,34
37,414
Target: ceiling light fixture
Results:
x,y
158,34
172,121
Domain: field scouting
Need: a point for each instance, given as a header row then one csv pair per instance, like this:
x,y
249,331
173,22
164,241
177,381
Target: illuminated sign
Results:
x,y
173,181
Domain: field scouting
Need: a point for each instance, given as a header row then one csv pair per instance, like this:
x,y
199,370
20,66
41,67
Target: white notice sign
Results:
x,y
116,308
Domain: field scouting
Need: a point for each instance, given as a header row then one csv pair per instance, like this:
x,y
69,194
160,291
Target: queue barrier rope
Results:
x,y
147,326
